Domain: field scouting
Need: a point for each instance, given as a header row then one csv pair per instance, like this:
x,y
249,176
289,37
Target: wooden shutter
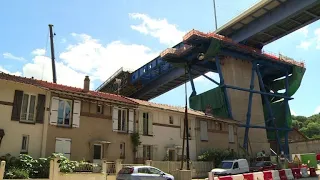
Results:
x,y
54,110
231,134
17,103
150,123
76,113
63,146
41,106
203,130
115,119
131,121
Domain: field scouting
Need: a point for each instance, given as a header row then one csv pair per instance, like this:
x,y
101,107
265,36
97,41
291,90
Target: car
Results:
x,y
231,167
142,172
262,166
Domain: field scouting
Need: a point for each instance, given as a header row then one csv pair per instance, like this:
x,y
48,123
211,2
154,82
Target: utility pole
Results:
x,y
54,75
215,13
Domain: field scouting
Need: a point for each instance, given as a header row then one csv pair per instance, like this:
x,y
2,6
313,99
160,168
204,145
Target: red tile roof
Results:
x,y
60,87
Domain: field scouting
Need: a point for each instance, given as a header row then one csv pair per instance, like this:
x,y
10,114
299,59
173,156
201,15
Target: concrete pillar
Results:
x,y
104,169
148,162
2,169
118,165
237,73
51,170
183,175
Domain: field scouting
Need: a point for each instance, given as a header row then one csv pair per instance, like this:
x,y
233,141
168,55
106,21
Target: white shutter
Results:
x,y
54,110
76,114
63,146
131,120
140,122
231,134
67,148
115,119
203,130
150,123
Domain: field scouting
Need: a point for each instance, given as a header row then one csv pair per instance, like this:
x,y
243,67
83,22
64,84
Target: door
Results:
x,y
63,146
97,153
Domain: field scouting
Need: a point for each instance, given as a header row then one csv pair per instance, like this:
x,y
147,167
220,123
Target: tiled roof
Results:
x,y
174,108
60,87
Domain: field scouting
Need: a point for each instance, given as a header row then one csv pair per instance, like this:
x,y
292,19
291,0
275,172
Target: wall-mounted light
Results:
x,y
200,56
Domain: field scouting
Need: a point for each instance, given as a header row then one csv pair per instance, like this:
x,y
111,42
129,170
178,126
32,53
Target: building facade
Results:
x,y
22,109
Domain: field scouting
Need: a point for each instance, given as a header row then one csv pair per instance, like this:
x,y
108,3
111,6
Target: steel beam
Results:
x,y
266,101
265,127
284,11
257,92
246,134
286,138
157,82
194,92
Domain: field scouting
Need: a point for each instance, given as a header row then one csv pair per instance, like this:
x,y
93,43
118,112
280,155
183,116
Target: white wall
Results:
x,y
166,134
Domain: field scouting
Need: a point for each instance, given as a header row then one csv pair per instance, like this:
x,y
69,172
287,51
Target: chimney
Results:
x,y
86,84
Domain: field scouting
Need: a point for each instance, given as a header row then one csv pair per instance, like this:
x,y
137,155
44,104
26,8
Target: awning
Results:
x,y
100,142
2,133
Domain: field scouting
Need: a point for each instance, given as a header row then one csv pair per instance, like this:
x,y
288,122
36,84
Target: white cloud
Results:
x,y
317,33
304,45
101,61
39,52
88,56
293,112
214,76
159,28
63,40
7,55
8,72
317,110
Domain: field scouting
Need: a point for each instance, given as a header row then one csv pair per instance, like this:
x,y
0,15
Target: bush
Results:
x,y
16,174
217,156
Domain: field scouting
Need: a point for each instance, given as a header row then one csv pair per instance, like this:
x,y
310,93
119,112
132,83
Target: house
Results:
x,y
161,132
23,113
81,124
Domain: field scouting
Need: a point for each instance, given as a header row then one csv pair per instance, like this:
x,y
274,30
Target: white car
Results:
x,y
231,167
142,173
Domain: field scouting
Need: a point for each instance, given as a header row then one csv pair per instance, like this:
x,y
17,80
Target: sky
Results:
x,y
96,38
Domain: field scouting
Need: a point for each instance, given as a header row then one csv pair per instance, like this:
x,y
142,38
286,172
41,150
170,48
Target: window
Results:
x,y
220,126
25,144
170,119
171,154
231,134
97,151
99,109
64,112
235,165
122,119
147,152
122,150
145,124
28,108
155,171
203,131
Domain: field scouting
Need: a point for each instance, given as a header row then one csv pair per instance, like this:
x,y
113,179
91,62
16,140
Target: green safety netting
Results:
x,y
214,99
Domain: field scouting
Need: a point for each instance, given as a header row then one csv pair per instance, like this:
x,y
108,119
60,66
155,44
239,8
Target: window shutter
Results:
x,y
140,122
54,110
115,119
76,113
17,103
150,124
231,134
67,148
41,105
131,120
203,130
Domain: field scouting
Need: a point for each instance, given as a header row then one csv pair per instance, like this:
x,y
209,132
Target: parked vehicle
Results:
x,y
262,166
230,167
142,172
